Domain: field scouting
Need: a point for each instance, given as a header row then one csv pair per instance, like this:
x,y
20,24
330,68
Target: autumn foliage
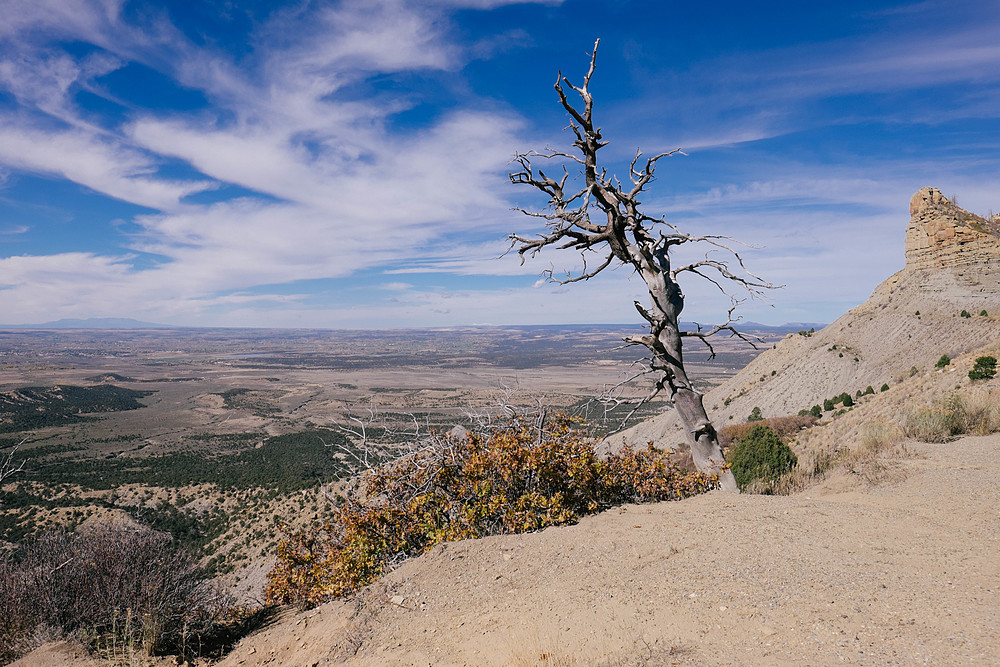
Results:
x,y
785,427
511,480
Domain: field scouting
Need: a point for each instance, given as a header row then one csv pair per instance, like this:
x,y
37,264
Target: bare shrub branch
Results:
x,y
522,475
9,467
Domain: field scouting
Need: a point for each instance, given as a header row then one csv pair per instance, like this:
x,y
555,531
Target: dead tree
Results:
x,y
603,220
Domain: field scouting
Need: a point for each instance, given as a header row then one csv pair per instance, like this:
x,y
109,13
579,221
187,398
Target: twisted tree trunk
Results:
x,y
667,349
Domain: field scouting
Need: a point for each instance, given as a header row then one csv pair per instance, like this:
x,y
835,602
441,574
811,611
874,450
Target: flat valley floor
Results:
x,y
205,382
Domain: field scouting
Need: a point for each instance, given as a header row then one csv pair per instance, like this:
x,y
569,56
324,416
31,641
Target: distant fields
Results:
x,y
222,436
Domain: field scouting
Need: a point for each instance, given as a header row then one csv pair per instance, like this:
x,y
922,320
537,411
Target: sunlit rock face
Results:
x,y
943,236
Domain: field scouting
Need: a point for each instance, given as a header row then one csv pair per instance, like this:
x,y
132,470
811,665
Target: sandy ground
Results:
x,y
907,572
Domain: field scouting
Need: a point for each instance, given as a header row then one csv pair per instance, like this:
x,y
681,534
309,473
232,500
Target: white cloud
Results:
x,y
75,283
337,189
352,195
104,166
378,35
491,4
85,18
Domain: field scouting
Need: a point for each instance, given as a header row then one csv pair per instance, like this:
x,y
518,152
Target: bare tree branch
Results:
x,y
604,218
8,467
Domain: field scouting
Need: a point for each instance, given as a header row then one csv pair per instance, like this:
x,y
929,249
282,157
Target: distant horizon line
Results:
x,y
129,324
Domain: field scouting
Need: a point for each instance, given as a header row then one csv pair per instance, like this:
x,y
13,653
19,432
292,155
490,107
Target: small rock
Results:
x,y
397,600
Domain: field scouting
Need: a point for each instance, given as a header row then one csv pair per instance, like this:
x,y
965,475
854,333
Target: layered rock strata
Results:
x,y
941,235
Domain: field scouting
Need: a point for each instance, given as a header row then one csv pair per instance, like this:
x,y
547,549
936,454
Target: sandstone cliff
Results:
x,y
943,236
911,319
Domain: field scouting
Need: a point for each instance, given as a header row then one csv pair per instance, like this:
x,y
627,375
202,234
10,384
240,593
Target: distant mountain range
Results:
x,y
92,323
787,325
128,323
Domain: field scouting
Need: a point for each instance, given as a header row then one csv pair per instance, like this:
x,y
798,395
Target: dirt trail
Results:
x,y
906,573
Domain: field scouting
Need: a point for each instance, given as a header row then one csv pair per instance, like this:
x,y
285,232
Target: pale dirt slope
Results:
x,y
903,574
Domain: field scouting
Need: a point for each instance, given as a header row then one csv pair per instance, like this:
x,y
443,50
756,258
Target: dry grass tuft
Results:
x,y
926,425
876,459
784,484
977,412
971,412
879,437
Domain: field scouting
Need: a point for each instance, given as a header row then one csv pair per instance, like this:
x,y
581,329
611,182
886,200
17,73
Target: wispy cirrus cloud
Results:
x,y
330,188
86,158
87,19
745,96
343,141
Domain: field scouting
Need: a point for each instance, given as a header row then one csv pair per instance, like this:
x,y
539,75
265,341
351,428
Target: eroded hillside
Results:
x,y
945,301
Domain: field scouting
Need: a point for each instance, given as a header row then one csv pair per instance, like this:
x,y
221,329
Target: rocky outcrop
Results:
x,y
911,319
943,236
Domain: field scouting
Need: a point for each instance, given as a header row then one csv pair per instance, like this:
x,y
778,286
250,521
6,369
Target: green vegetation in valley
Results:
x,y
604,418
281,465
105,377
39,407
192,531
263,403
284,463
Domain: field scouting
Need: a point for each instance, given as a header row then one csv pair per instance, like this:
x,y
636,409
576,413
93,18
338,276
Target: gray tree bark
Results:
x,y
623,235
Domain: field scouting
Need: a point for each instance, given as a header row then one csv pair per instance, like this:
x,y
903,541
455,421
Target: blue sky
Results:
x,y
344,164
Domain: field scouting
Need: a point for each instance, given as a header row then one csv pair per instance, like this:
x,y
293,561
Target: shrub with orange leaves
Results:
x,y
512,479
783,426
